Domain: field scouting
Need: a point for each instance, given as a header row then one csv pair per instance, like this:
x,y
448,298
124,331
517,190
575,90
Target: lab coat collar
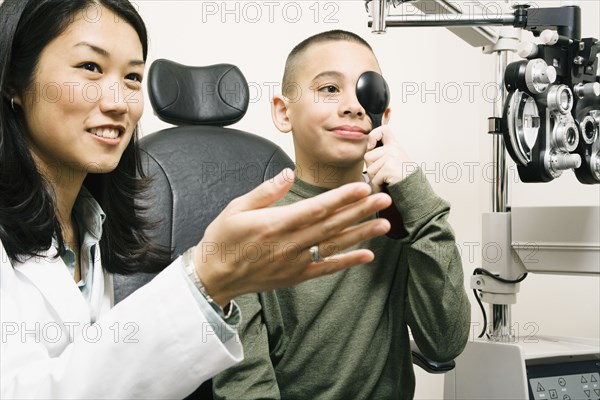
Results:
x,y
51,276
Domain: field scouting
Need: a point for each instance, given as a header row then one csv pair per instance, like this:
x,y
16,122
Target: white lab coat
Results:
x,y
154,344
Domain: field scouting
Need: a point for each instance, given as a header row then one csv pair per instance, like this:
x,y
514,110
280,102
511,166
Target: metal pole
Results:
x,y
501,313
501,322
437,20
500,183
379,11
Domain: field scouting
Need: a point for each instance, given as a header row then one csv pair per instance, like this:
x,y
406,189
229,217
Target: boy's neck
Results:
x,y
328,176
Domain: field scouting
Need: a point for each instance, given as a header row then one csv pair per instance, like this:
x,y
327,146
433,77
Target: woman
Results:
x,y
70,81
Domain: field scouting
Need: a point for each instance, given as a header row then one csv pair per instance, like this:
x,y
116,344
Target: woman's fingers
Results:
x,y
265,194
339,221
250,210
336,263
250,248
310,211
331,249
355,235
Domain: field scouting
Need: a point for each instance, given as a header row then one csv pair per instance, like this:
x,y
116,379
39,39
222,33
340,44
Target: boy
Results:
x,y
345,336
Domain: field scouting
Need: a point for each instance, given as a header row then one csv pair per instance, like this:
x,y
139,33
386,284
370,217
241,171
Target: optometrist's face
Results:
x,y
86,97
329,124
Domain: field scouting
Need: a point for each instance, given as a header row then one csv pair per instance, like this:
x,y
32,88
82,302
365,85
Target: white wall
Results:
x,y
443,126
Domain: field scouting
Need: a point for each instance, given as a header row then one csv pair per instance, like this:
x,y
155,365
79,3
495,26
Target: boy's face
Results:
x,y
329,124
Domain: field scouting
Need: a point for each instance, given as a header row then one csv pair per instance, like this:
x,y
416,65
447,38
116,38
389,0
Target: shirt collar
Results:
x,y
89,214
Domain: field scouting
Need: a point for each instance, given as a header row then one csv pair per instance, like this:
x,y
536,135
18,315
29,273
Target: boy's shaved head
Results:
x,y
295,56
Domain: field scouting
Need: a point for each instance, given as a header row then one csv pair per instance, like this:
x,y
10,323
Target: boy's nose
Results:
x,y
352,106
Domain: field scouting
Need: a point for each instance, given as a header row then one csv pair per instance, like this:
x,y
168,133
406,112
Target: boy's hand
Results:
x,y
385,163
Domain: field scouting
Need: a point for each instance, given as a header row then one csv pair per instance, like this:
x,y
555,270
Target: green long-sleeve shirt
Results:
x,y
345,336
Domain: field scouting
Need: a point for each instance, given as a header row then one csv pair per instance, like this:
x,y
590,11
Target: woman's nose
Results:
x,y
114,99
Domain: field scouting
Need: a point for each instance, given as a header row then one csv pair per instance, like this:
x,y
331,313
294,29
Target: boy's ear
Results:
x,y
386,116
279,113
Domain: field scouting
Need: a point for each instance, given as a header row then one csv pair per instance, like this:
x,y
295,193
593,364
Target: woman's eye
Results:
x,y
90,66
134,77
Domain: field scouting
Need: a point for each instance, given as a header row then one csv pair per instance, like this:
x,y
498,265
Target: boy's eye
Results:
x,y
90,66
329,89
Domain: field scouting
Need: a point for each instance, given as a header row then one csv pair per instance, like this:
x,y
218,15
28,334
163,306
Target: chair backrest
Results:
x,y
199,166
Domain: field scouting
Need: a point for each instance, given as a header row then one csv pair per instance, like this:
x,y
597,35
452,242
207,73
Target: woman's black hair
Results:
x,y
28,217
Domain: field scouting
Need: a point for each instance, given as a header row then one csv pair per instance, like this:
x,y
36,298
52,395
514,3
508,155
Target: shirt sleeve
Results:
x,y
225,329
437,307
254,378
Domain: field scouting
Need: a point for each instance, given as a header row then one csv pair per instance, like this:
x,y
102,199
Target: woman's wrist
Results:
x,y
206,285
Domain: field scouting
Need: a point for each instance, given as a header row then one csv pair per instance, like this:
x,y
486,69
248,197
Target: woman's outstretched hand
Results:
x,y
251,247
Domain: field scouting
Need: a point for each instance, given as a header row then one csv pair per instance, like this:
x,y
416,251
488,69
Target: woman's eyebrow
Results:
x,y
106,54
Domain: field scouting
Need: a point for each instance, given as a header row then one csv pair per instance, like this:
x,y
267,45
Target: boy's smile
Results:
x,y
350,132
328,123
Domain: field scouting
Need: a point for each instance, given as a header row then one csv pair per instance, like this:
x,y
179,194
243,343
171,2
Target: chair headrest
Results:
x,y
211,95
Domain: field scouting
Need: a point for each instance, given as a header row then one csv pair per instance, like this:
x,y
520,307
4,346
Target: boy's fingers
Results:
x,y
373,155
383,134
387,135
375,167
374,136
378,179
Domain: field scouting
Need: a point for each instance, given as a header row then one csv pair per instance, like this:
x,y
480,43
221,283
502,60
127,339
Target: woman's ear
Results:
x,y
13,97
386,116
279,113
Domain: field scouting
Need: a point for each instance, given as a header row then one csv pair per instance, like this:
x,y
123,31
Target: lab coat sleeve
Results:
x,y
437,307
172,351
254,378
